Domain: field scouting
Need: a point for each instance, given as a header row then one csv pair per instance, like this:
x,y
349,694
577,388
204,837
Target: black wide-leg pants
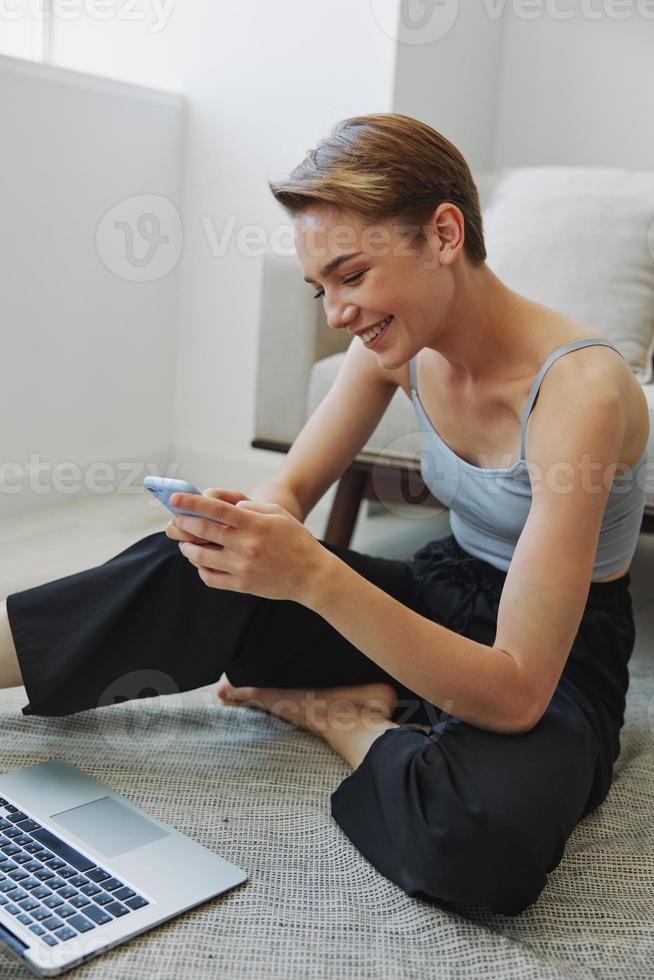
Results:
x,y
453,813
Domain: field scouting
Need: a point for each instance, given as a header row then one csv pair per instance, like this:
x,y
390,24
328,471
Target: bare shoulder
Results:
x,y
598,372
597,365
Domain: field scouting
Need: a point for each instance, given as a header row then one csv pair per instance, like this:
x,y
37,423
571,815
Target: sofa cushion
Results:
x,y
580,240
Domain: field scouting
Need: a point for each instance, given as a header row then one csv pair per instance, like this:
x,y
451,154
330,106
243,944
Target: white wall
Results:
x,y
577,91
264,84
452,83
260,90
523,82
176,358
139,42
86,355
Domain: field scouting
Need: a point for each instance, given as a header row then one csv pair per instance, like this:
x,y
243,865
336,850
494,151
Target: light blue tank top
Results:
x,y
489,507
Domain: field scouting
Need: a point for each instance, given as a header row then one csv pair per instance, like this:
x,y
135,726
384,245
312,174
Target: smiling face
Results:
x,y
385,275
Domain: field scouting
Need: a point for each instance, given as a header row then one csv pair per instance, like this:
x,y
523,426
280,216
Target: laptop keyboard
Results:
x,y
52,888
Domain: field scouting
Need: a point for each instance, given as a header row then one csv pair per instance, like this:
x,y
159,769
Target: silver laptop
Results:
x,y
82,869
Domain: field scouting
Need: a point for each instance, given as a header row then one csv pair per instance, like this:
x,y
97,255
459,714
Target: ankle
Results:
x,y
353,743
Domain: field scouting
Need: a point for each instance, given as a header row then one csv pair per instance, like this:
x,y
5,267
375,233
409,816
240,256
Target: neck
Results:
x,y
479,337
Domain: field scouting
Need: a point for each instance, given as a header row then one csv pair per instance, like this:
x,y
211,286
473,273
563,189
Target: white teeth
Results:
x,y
369,334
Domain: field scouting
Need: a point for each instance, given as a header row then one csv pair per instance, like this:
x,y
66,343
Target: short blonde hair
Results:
x,y
383,166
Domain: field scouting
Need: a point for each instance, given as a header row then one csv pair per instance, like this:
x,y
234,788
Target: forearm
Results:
x,y
276,492
475,682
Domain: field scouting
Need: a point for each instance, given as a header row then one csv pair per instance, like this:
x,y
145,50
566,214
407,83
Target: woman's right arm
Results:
x,y
333,435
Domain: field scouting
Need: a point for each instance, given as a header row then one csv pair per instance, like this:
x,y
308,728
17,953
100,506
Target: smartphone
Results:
x,y
163,488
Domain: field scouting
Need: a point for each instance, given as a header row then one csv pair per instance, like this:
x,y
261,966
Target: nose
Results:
x,y
340,317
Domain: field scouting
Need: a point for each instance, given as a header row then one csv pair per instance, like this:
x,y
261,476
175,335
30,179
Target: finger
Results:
x,y
176,534
218,580
201,528
212,557
212,508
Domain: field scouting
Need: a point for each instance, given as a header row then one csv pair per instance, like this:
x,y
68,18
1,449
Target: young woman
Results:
x,y
478,688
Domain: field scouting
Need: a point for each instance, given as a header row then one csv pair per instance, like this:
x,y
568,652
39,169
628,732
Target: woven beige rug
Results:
x,y
255,789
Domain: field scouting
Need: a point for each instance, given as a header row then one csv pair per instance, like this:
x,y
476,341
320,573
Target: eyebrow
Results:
x,y
334,264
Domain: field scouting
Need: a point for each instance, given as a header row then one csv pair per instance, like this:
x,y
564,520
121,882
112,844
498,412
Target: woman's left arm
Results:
x,y
477,683
574,453
264,550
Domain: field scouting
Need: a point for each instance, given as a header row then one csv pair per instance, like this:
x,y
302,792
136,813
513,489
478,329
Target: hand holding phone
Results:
x,y
163,488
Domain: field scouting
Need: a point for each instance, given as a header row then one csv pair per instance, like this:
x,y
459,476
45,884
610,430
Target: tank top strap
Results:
x,y
412,372
559,352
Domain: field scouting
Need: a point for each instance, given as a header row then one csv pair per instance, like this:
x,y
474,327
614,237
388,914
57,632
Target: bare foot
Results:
x,y
314,709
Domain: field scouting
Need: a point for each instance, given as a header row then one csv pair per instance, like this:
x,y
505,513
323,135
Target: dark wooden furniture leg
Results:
x,y
363,481
345,508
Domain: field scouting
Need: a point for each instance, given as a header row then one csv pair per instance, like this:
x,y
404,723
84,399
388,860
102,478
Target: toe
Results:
x,y
240,695
234,695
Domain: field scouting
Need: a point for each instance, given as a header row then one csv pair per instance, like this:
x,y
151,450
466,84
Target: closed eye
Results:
x,y
352,279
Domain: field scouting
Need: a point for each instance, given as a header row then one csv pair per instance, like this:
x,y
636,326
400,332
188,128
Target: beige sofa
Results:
x,y
299,357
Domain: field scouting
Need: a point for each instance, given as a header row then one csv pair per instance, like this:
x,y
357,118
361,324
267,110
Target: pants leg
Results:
x,y
143,623
459,815
466,816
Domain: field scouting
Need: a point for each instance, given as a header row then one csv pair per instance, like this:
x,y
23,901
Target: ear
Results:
x,y
448,225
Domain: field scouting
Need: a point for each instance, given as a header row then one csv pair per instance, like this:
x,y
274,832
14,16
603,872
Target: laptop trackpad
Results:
x,y
109,826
